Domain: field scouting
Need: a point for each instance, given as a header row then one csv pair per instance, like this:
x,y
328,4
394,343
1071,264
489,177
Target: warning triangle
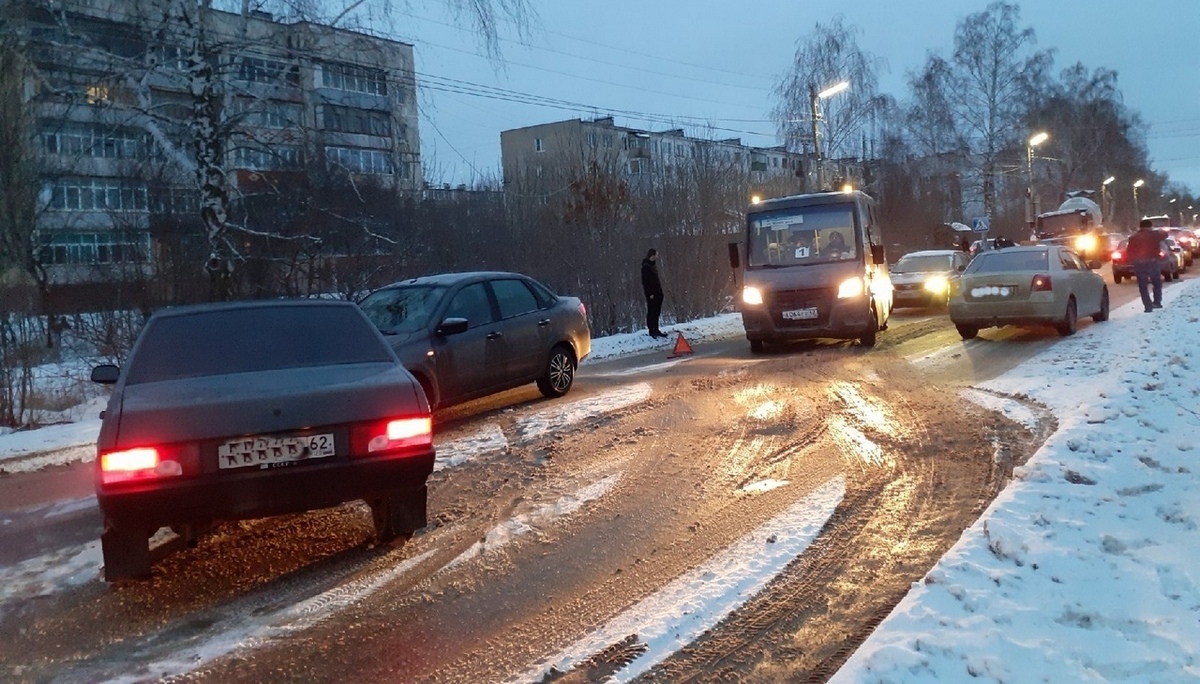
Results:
x,y
681,346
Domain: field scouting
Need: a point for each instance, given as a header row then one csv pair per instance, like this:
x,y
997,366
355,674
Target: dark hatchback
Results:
x,y
468,335
247,410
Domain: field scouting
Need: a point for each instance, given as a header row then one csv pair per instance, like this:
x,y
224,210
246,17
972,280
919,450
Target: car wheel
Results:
x,y
559,374
126,553
869,337
1103,314
1070,321
757,346
398,516
1118,278
968,332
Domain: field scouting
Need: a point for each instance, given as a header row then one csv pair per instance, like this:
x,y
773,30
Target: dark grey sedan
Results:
x,y
467,335
252,409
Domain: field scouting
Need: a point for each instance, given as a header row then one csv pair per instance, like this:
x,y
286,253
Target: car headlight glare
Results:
x,y
1085,243
937,284
851,287
752,296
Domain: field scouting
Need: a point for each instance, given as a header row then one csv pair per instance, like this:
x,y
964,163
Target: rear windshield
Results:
x,y
802,235
999,260
922,264
253,339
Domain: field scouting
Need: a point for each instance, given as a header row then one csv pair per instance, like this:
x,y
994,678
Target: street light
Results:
x,y
1137,214
1032,204
1105,198
815,98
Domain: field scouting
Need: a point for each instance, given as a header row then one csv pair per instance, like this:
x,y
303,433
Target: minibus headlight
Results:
x,y
752,296
1085,243
852,287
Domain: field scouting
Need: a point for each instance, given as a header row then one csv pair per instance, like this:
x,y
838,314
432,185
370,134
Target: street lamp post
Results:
x,y
1031,203
1137,213
1106,199
815,100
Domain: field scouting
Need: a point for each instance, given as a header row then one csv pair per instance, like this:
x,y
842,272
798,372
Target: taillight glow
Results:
x,y
1117,256
1041,283
392,435
141,463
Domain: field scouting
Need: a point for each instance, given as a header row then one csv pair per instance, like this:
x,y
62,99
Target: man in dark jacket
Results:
x,y
652,288
1144,254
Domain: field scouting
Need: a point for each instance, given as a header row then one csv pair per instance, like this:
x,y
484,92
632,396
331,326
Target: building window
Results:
x,y
608,140
174,201
110,247
255,70
538,146
91,140
591,139
360,121
269,114
96,194
356,160
274,158
353,79
666,148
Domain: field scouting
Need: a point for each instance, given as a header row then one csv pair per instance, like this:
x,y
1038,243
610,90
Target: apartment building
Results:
x,y
110,86
546,150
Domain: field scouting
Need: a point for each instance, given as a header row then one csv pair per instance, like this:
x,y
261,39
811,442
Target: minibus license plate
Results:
x,y
801,314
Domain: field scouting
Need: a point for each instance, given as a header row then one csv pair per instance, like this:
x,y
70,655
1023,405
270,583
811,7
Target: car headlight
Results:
x,y
752,296
851,287
1085,243
937,284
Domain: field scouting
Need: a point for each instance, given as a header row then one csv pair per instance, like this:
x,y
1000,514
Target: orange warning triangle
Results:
x,y
681,346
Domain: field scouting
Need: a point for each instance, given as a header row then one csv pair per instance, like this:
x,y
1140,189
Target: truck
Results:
x,y
1078,224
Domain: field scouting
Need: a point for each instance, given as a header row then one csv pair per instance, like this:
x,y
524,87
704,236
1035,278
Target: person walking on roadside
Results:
x,y
652,287
1144,253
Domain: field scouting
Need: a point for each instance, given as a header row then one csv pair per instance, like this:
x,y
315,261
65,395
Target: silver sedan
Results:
x,y
1037,285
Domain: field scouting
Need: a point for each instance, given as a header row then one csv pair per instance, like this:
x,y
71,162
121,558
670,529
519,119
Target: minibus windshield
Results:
x,y
802,235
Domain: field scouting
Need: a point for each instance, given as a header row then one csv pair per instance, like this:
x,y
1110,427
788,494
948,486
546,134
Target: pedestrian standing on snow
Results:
x,y
1144,252
652,287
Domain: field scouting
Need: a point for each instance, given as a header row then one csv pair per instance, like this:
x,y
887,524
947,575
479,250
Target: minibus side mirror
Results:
x,y
735,260
877,255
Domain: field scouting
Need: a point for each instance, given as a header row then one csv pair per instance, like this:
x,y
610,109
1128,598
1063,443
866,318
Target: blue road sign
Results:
x,y
979,224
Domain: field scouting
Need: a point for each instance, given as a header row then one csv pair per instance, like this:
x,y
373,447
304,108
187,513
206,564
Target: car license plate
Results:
x,y
267,451
801,314
994,291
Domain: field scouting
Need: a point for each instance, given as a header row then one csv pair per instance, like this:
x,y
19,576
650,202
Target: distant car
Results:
x,y
1089,246
253,409
1033,285
924,278
1169,264
1188,241
468,335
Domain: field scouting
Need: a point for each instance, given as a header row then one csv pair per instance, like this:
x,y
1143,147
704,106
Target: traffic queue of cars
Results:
x,y
253,409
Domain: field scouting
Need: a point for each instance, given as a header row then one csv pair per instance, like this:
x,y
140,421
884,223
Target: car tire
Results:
x,y
758,347
1070,321
869,338
1102,315
396,517
968,332
1118,278
126,553
559,373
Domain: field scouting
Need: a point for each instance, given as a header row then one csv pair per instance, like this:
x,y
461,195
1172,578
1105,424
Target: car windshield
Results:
x,y
923,264
1001,260
802,235
402,309
244,340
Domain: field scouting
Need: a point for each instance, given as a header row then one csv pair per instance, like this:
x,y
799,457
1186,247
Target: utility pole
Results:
x,y
816,133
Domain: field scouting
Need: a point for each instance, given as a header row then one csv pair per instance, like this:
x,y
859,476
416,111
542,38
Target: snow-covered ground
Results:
x,y
1086,568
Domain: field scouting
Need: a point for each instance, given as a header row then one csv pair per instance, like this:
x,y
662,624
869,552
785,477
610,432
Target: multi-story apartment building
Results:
x,y
547,149
111,86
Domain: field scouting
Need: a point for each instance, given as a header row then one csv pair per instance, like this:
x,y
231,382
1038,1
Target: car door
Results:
x,y
525,328
1075,272
1090,283
467,362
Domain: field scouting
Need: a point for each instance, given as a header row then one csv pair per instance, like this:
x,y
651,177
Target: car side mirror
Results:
x,y
105,374
453,326
1093,264
877,255
961,268
735,260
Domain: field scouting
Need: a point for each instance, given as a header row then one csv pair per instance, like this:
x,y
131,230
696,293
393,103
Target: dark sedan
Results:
x,y
253,409
924,278
468,335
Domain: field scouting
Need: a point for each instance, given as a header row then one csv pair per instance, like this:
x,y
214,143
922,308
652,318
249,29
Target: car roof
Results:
x,y
1022,248
448,279
933,252
188,309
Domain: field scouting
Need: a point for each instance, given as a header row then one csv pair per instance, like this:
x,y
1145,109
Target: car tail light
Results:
x,y
583,310
1117,256
383,436
142,463
1041,283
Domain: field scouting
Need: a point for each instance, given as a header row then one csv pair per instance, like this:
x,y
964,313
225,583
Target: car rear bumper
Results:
x,y
986,314
260,493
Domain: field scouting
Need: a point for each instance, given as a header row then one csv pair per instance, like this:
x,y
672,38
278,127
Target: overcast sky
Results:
x,y
716,61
